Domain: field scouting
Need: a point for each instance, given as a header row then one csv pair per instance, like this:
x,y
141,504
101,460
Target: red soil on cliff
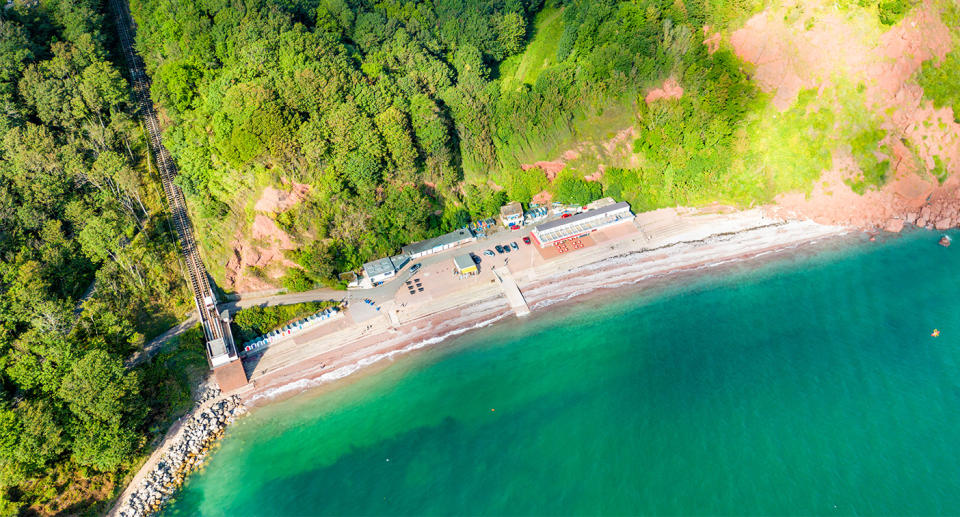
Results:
x,y
788,58
712,41
264,248
670,89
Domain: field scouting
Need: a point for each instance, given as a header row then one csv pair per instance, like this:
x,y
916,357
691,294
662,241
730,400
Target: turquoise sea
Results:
x,y
808,384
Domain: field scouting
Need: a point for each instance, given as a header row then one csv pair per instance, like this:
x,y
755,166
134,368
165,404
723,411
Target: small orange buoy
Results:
x,y
935,333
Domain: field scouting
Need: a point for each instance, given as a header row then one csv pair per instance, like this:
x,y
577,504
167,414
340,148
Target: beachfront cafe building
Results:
x,y
465,265
380,270
578,225
438,244
511,215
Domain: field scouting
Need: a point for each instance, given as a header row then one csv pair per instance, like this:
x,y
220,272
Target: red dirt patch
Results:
x,y
921,36
624,136
551,169
494,186
274,200
788,58
601,150
712,41
543,198
670,89
596,176
264,249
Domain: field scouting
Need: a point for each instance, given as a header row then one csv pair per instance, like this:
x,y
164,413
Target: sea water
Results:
x,y
809,384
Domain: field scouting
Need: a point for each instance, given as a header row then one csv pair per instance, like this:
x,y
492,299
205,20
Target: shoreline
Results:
x,y
703,242
183,450
620,266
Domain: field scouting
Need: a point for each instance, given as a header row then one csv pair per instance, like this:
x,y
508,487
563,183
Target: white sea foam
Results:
x,y
626,269
344,371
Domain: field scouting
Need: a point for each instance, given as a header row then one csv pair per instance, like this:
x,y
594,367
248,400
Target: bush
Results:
x,y
892,11
863,146
249,323
572,189
521,185
296,280
940,80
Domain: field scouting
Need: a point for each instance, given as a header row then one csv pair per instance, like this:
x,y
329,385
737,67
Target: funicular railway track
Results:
x,y
195,271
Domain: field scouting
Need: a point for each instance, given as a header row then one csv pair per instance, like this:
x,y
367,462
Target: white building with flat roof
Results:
x,y
379,270
581,224
437,244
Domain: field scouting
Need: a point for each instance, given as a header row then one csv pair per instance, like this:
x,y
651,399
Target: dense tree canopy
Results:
x,y
375,105
79,214
395,111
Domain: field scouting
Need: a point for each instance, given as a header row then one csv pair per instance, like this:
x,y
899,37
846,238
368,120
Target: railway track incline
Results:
x,y
195,271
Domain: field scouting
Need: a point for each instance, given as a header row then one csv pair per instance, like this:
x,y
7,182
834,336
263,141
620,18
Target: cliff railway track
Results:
x,y
221,351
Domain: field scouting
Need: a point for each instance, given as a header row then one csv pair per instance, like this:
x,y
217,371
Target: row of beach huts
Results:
x,y
290,329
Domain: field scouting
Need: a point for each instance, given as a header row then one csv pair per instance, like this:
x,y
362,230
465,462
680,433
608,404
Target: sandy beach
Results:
x,y
651,247
654,245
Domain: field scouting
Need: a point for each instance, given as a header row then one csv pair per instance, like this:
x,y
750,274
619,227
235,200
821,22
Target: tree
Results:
x,y
31,438
102,89
175,84
296,280
102,445
511,29
571,189
395,128
104,400
99,388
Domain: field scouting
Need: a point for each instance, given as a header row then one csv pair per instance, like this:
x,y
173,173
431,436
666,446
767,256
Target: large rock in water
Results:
x,y
894,225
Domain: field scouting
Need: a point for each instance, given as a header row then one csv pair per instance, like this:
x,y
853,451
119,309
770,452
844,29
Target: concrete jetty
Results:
x,y
511,291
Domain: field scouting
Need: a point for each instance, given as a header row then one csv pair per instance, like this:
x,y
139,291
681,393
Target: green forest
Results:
x,y
406,119
398,117
88,270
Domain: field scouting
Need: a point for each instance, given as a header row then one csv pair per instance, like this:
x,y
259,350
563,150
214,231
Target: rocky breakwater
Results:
x,y
183,455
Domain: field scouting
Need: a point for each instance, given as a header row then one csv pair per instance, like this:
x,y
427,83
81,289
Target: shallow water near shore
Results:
x,y
808,384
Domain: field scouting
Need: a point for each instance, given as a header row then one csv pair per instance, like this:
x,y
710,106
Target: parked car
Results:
x,y
514,245
506,249
526,240
499,248
476,259
416,267
489,253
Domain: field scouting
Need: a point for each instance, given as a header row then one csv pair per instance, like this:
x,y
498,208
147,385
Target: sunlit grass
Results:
x,y
540,53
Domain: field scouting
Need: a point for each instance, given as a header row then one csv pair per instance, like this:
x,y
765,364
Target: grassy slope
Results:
x,y
540,53
524,68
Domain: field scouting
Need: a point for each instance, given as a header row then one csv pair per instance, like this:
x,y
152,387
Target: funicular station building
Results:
x,y
221,350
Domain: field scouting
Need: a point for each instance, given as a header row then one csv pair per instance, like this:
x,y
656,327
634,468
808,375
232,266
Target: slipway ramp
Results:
x,y
511,291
